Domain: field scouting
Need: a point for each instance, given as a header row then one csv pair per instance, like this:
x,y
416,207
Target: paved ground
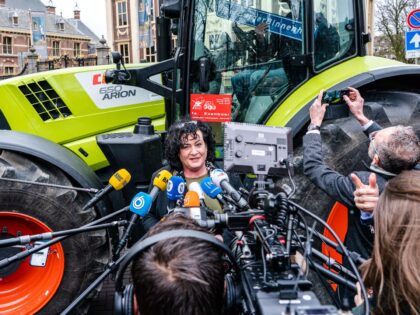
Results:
x,y
104,302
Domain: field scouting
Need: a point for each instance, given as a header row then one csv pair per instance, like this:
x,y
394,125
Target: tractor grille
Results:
x,y
45,100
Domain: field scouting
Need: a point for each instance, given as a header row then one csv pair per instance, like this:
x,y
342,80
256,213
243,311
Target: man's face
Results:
x,y
377,139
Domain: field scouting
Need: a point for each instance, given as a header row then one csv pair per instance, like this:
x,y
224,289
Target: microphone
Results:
x,y
159,183
117,182
191,199
211,190
140,206
221,179
175,190
194,186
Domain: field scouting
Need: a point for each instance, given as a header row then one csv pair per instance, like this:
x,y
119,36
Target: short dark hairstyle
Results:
x,y
177,133
401,151
181,276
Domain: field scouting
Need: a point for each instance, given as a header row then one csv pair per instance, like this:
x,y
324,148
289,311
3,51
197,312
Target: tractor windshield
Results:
x,y
256,52
251,45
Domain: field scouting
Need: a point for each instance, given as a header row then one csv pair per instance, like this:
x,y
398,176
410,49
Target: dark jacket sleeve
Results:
x,y
334,184
374,127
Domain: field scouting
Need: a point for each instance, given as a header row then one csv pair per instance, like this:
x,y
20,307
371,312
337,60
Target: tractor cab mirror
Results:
x,y
116,58
171,9
204,65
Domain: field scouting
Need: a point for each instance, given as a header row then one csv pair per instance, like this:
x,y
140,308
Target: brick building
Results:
x,y
59,42
131,28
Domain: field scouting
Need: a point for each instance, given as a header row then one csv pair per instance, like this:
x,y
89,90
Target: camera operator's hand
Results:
x,y
317,110
356,102
366,196
358,299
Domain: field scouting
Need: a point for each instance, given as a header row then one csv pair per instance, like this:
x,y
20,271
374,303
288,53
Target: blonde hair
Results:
x,y
393,272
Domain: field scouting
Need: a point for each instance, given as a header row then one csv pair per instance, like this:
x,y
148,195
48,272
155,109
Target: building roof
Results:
x,y
34,5
84,29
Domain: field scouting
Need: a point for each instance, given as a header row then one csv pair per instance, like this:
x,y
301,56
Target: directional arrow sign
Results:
x,y
412,44
415,40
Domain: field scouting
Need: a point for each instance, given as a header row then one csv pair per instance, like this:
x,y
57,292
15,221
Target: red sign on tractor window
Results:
x,y
211,107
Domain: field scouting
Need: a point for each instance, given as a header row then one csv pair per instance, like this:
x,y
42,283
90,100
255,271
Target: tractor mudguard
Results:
x,y
57,155
302,117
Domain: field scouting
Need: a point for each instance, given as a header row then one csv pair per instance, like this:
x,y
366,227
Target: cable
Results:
x,y
346,253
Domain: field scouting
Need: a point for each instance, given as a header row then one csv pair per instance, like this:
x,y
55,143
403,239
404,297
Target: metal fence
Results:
x,y
3,77
65,62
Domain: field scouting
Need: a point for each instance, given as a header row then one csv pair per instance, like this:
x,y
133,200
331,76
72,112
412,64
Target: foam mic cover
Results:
x,y
194,186
176,188
120,178
141,204
217,176
209,188
162,179
191,199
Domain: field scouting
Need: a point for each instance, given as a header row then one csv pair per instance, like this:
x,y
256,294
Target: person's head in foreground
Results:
x,y
183,276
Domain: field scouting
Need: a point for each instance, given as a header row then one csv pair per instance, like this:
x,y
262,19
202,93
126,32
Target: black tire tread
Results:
x,y
86,254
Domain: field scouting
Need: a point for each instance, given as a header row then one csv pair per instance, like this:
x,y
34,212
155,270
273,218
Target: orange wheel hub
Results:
x,y
25,289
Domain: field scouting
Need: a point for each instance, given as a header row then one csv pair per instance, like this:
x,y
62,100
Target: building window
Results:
x,y
122,13
150,54
61,26
9,70
56,49
125,53
15,19
7,45
76,50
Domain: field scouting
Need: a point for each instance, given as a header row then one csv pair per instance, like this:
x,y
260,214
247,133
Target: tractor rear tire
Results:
x,y
345,147
36,209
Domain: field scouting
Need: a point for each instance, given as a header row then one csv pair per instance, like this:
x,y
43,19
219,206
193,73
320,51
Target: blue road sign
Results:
x,y
252,17
412,44
413,19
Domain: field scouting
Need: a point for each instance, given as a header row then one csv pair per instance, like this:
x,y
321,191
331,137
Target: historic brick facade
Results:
x,y
59,42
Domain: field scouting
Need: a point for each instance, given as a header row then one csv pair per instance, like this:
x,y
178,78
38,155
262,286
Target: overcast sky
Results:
x,y
92,13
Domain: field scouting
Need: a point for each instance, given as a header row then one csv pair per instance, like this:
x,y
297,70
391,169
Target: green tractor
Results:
x,y
259,62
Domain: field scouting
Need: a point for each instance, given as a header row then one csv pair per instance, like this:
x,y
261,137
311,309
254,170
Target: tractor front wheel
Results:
x,y
47,281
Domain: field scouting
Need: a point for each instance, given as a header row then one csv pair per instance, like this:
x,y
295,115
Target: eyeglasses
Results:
x,y
372,141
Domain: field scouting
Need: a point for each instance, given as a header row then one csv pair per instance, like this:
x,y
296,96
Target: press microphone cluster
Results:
x,y
141,203
117,181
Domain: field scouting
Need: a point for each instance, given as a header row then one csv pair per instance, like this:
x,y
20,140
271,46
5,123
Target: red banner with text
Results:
x,y
211,107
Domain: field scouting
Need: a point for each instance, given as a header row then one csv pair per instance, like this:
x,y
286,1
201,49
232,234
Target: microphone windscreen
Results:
x,y
191,199
161,179
194,186
120,178
217,176
176,188
209,188
141,204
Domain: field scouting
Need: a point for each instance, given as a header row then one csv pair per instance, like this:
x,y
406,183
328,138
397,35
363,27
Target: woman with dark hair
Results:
x,y
190,148
190,152
393,272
